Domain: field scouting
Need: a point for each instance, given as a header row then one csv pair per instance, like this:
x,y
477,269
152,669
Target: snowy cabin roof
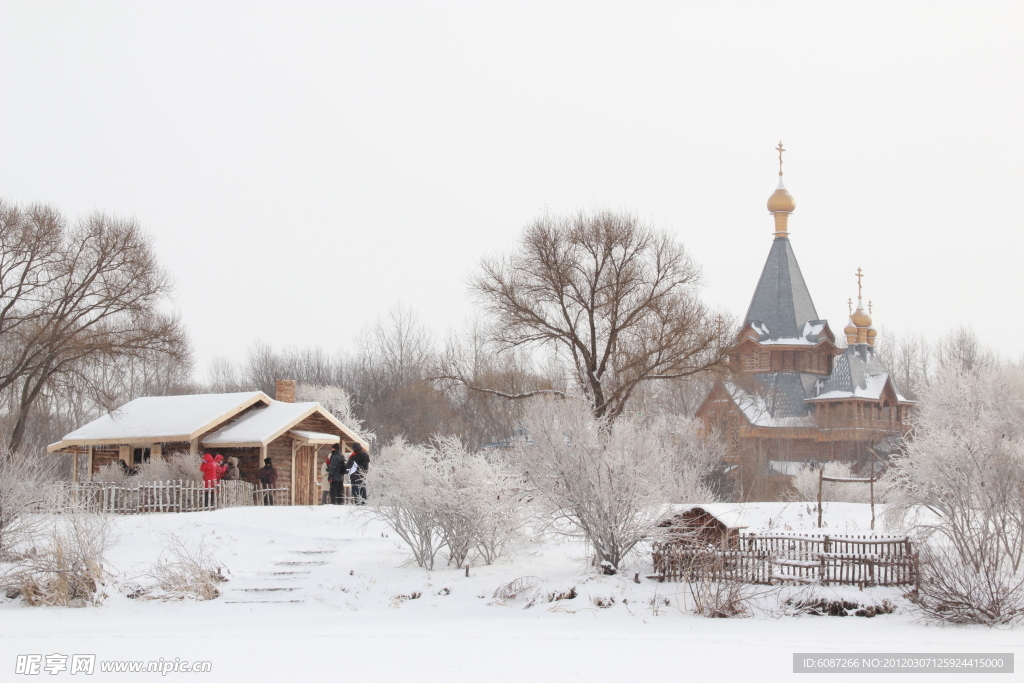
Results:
x,y
162,419
165,419
857,373
260,426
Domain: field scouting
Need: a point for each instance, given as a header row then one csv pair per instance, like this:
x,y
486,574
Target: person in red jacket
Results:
x,y
209,470
218,460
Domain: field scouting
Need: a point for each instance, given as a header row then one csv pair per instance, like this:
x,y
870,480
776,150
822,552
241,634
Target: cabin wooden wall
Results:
x,y
280,451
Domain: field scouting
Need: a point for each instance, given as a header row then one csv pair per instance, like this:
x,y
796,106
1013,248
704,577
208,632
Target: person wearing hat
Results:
x,y
336,475
268,476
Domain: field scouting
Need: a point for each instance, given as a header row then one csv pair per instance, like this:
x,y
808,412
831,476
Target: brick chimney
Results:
x,y
284,390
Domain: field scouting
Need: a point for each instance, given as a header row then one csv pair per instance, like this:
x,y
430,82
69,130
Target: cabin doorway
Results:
x,y
305,476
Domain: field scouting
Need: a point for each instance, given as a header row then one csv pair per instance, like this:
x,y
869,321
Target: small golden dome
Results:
x,y
781,200
872,333
850,328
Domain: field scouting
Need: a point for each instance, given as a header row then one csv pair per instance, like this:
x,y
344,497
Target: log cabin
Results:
x,y
248,425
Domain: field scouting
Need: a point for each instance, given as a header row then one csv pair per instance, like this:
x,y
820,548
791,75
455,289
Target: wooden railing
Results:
x,y
160,496
824,559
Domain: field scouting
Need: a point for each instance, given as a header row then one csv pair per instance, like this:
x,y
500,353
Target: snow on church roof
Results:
x,y
162,418
857,373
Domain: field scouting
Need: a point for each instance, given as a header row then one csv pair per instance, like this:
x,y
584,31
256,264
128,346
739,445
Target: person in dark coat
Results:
x,y
268,476
358,466
336,475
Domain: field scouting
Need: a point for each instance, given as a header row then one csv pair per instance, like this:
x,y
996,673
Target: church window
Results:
x,y
756,361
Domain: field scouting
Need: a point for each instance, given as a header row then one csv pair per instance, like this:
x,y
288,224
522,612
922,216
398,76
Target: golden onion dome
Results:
x,y
860,318
872,333
781,200
850,328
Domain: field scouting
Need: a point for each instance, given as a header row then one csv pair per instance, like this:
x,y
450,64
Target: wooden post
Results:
x,y
821,474
89,478
872,485
292,493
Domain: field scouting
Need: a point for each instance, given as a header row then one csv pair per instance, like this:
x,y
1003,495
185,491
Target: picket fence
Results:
x,y
161,496
826,559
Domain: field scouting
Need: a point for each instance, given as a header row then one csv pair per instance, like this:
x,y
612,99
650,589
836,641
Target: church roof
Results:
x,y
775,399
781,304
857,373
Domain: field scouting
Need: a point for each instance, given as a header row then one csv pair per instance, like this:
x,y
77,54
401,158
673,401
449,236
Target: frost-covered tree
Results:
x,y
444,498
338,403
960,482
609,482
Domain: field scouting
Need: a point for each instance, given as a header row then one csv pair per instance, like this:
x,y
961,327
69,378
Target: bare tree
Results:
x,y
615,300
909,358
73,300
961,349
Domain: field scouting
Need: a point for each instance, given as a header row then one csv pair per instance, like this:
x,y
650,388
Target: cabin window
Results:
x,y
140,455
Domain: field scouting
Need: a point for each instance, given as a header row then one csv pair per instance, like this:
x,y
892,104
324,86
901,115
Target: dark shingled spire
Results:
x,y
781,301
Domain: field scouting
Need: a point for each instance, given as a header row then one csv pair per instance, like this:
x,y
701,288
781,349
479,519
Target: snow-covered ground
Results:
x,y
343,608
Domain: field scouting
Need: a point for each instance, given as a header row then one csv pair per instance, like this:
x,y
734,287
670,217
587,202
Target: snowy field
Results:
x,y
346,607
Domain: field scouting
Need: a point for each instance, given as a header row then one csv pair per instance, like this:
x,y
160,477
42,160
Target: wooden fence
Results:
x,y
840,559
160,496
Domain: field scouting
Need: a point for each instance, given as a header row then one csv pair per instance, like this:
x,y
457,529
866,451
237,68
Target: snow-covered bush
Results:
x,y
479,506
67,567
805,482
402,488
960,484
610,482
26,484
171,467
445,498
338,403
185,569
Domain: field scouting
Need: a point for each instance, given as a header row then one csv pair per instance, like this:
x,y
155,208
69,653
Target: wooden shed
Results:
x,y
699,525
248,425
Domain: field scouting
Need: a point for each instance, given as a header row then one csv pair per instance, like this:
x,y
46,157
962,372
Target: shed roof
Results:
x,y
788,516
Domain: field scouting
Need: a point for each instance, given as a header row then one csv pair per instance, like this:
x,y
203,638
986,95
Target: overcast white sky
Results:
x,y
303,166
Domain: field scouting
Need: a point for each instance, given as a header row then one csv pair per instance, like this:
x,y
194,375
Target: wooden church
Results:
x,y
793,396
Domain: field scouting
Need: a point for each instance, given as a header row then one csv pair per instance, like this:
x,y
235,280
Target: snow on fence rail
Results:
x,y
841,559
159,496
